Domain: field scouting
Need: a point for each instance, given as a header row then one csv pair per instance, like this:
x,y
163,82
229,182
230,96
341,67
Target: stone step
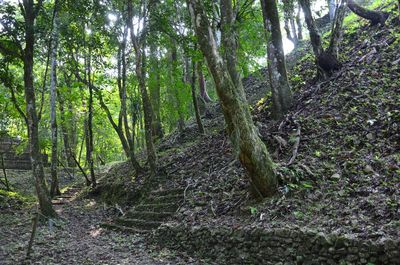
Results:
x,y
138,223
164,199
157,207
151,216
64,196
122,228
167,192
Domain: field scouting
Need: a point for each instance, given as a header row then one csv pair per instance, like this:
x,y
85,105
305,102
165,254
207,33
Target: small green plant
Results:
x,y
253,211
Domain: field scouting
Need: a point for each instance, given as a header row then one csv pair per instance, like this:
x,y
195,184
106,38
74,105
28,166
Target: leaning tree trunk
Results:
x,y
281,94
45,205
252,151
54,188
375,17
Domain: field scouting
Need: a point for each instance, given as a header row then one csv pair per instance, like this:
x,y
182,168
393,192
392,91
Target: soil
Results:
x,y
76,238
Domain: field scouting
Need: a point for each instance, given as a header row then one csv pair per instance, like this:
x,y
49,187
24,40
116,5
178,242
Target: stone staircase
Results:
x,y
150,213
67,196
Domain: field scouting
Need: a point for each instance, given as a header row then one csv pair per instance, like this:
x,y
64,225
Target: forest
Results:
x,y
200,132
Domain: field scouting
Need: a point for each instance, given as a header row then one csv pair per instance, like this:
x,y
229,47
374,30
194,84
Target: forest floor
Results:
x,y
76,238
342,139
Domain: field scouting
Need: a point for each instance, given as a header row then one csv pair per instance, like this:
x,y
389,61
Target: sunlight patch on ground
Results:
x,y
95,232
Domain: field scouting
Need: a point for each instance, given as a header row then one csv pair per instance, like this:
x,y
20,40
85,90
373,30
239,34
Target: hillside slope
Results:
x,y
337,151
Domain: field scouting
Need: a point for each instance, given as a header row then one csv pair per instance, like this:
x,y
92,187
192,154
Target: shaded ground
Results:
x,y
77,239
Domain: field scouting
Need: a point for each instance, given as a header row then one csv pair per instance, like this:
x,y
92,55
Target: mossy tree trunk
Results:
x,y
281,94
45,205
252,151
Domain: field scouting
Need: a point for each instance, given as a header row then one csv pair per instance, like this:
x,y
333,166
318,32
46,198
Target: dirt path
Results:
x,y
77,239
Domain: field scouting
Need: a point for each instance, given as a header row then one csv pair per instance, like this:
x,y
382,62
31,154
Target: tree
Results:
x,y
54,188
290,28
194,98
138,43
375,17
326,62
30,12
281,94
251,150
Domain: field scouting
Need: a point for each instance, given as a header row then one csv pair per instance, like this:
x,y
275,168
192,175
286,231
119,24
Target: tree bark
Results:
x,y
54,188
336,32
290,28
89,137
299,25
375,17
194,98
281,94
202,83
140,70
320,56
65,134
155,92
252,152
332,9
45,205
174,86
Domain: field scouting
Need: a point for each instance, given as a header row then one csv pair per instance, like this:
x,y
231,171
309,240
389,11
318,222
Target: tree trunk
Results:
x,y
252,152
194,98
321,58
299,25
312,28
175,89
45,205
124,113
281,94
89,138
202,83
65,134
290,28
336,32
54,188
332,9
375,17
140,70
155,92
